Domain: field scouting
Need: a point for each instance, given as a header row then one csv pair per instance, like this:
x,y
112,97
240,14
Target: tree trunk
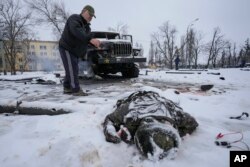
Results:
x,y
31,110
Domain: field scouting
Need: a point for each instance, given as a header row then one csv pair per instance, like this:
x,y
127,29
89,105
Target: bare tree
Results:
x,y
219,46
155,58
235,58
165,42
26,48
241,58
16,29
159,60
182,52
193,47
229,54
151,54
139,46
246,51
223,59
190,39
160,48
215,47
197,47
120,28
49,12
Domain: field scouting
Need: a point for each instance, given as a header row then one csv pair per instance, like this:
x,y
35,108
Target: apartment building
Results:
x,y
43,56
34,56
20,58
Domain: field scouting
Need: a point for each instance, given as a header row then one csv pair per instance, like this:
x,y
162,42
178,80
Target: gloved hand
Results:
x,y
124,134
110,133
113,138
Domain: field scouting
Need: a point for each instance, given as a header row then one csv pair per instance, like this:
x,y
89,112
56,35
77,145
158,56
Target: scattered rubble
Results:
x,y
173,72
214,73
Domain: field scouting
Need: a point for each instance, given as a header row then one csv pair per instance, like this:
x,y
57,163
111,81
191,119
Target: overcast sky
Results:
x,y
145,16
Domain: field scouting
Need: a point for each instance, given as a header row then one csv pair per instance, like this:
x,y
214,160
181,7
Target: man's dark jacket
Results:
x,y
76,35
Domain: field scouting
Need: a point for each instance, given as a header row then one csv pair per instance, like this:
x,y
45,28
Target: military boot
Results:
x,y
67,91
79,93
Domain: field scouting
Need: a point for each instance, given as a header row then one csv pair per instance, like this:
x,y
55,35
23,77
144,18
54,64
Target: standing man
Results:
x,y
177,59
73,45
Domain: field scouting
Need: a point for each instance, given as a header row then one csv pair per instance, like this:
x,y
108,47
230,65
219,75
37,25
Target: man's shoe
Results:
x,y
79,93
67,91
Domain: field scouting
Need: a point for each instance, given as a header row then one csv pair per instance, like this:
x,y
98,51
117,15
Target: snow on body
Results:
x,y
77,139
149,118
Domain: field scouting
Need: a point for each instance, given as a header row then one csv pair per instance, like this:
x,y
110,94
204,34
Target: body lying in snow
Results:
x,y
154,123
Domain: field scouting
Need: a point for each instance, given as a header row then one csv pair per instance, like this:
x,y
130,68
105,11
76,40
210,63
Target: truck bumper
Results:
x,y
121,60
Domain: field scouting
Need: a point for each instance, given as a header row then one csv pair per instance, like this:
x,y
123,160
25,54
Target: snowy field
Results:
x,y
77,139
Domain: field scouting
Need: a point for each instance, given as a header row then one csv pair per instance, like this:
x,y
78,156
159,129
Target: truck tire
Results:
x,y
132,72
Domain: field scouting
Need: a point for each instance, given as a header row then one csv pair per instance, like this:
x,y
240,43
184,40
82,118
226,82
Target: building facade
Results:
x,y
34,56
43,56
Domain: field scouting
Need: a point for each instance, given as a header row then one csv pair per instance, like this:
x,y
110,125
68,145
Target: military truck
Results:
x,y
116,54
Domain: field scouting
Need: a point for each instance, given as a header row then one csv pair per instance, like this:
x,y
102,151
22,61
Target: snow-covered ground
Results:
x,y
77,140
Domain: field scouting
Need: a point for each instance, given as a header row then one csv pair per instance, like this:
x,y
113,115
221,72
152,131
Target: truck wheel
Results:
x,y
132,72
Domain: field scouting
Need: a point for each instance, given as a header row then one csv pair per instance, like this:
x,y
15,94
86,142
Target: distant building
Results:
x,y
43,56
33,56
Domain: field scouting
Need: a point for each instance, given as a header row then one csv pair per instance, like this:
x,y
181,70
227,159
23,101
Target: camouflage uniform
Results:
x,y
151,121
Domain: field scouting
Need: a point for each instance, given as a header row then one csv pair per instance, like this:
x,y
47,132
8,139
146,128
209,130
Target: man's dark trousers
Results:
x,y
70,63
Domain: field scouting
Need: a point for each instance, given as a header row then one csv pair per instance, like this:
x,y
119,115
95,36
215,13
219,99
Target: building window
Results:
x,y
32,46
43,47
18,48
